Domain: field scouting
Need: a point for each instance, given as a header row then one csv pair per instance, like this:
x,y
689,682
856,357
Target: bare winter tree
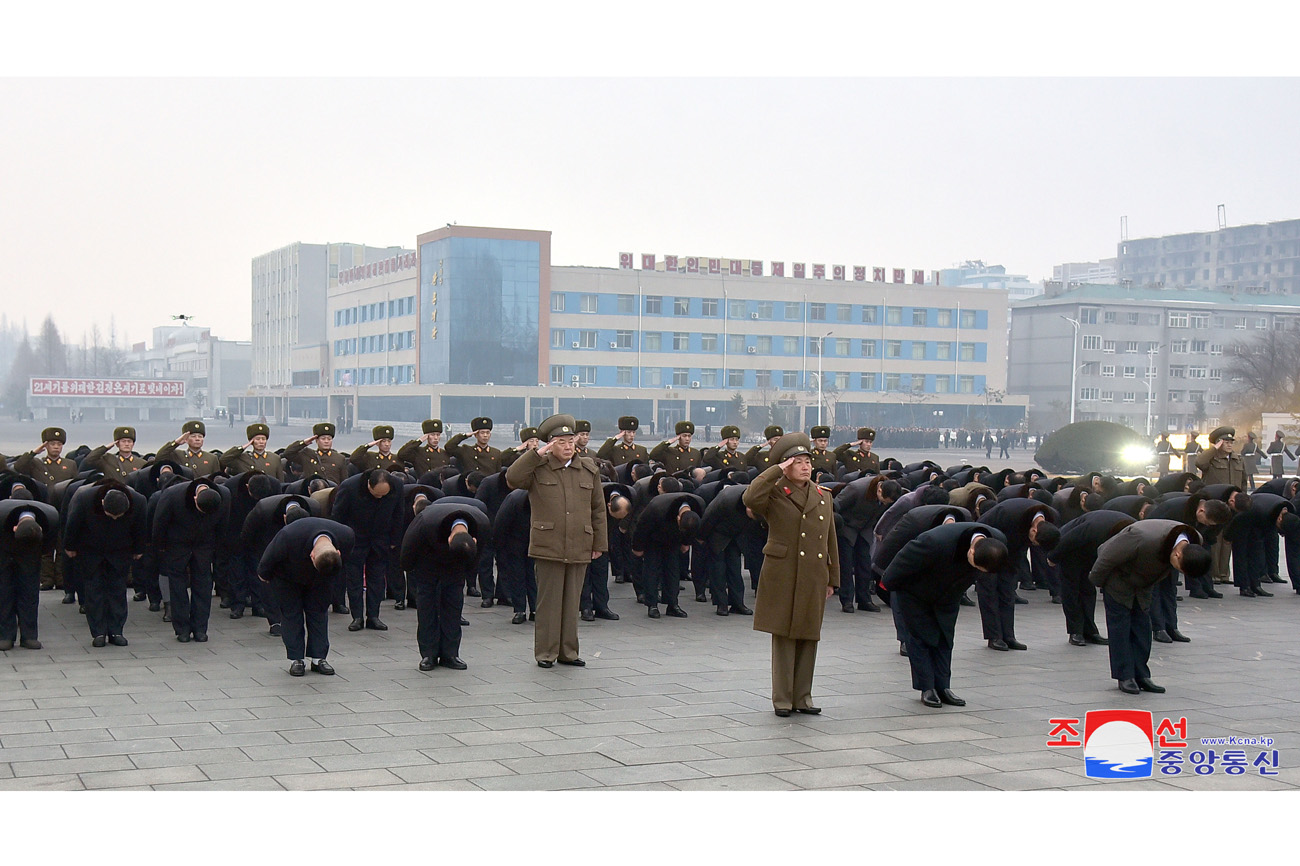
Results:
x,y
1264,372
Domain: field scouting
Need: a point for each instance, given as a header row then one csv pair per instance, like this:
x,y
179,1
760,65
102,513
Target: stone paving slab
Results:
x,y
662,705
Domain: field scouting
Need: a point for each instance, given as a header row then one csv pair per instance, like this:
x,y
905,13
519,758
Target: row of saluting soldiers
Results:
x,y
184,519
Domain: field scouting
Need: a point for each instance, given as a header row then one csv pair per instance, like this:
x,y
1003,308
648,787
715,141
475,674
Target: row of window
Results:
x,y
1176,371
737,308
1130,347
737,344
1099,395
374,312
402,374
1184,319
684,377
391,342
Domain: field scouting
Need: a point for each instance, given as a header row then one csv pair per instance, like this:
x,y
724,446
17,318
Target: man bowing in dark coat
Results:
x,y
300,564
439,552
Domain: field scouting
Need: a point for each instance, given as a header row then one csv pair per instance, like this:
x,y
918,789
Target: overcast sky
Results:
x,y
145,198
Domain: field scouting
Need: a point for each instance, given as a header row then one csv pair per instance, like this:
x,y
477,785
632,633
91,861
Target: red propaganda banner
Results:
x,y
778,269
859,273
647,261
798,270
625,260
878,275
56,386
918,277
734,268
692,265
900,275
755,268
819,272
715,266
837,272
670,263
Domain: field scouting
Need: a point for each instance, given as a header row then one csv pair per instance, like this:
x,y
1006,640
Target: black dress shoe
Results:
x,y
81,608
6,645
225,604
965,601
1129,687
1273,578
341,608
930,698
1145,684
236,614
1264,592
454,663
576,663
200,637
323,667
782,713
532,617
808,711
519,618
1056,599
167,612
117,640
723,610
848,608
1179,636
154,607
742,610
902,649
1016,645
869,605
998,644
1211,593
357,624
1096,639
543,663
427,664
69,598
182,638
674,610
32,643
607,614
588,616
1246,593
298,668
1020,600
473,592
640,599
401,605
140,596
618,578
1197,595
1077,640
947,696
1161,636
100,640
487,602
376,623
1029,587
653,612
699,596
464,621
276,630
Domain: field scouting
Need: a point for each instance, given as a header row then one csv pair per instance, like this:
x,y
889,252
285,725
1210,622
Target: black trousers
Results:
x,y
595,588
728,582
105,586
519,580
997,600
72,580
1129,630
486,581
144,575
20,592
396,581
900,625
1078,601
856,575
661,576
1164,607
931,663
1043,571
303,609
191,592
439,601
619,551
366,568
751,546
697,560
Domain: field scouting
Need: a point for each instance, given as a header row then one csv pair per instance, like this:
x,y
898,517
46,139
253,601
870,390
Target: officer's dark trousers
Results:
x,y
367,570
396,582
20,591
997,600
728,582
1078,601
896,611
191,594
519,580
697,561
303,609
144,575
661,576
72,581
439,600
620,553
105,586
1024,574
1164,607
595,588
1247,567
858,587
751,546
1043,571
931,664
486,581
1129,630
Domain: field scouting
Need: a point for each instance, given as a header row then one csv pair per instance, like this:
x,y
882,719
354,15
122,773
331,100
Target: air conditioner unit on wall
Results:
x,y
575,345
613,345
752,350
753,315
695,384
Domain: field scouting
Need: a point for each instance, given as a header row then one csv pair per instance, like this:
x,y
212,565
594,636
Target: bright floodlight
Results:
x,y
1137,455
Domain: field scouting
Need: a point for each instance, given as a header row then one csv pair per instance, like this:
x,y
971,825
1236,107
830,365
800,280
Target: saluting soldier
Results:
x,y
423,454
728,454
676,454
822,459
322,460
52,468
581,438
760,457
480,456
193,458
123,463
527,442
857,456
382,458
253,457
623,448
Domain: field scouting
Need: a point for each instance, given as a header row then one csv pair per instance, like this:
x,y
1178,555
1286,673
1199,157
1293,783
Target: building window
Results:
x,y
764,344
1199,320
942,384
1200,347
1132,318
1261,324
1213,400
918,350
1130,396
736,344
817,312
557,302
1177,320
627,305
1216,374
869,348
709,378
1091,368
623,376
1178,372
869,316
557,338
1108,396
1087,315
587,303
623,339
651,341
1091,341
735,309
966,352
651,377
893,315
893,348
587,375
681,306
709,307
557,374
792,311
735,378
1108,371
1108,317
943,351
843,312
967,318
1130,372
892,381
965,384
1240,323
842,346
868,382
681,341
1175,396
789,345
1131,347
1089,393
1178,347
708,342
681,377
765,309
587,339
762,378
789,378
814,346
1108,347
1198,372
654,305
919,318
943,318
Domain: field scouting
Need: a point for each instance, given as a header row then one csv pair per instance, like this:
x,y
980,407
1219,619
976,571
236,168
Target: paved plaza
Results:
x,y
663,704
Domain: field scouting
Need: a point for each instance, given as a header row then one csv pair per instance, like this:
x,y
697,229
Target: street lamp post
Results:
x,y
1074,366
1151,352
821,351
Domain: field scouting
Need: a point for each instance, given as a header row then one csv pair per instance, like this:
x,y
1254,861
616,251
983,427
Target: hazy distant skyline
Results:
x,y
145,198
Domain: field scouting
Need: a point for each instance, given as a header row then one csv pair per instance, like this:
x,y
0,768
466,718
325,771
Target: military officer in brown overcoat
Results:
x,y
253,456
423,454
623,448
727,455
193,458
382,458
119,465
676,454
823,460
1218,465
479,457
857,456
568,531
800,568
322,460
760,456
